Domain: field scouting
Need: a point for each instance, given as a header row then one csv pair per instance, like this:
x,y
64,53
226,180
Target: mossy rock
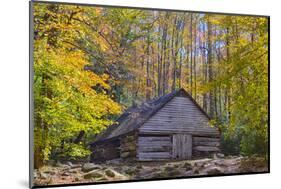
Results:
x,y
131,171
93,174
109,173
188,168
87,167
186,164
160,175
169,168
214,171
174,173
196,171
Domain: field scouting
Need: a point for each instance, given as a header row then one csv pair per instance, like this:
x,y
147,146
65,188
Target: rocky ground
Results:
x,y
71,173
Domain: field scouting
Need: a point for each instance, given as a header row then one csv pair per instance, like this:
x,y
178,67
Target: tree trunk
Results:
x,y
191,55
210,65
148,81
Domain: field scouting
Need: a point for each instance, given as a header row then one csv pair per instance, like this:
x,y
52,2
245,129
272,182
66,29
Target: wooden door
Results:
x,y
182,146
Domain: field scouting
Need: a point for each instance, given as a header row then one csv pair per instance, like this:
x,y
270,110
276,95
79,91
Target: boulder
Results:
x,y
174,173
196,171
35,175
87,167
110,173
186,164
43,176
219,155
125,154
76,179
95,174
188,168
214,171
69,163
169,168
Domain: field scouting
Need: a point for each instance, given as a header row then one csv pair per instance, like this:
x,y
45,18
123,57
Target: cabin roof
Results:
x,y
135,116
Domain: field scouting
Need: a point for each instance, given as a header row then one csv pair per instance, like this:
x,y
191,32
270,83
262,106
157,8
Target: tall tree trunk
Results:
x,y
210,65
205,69
194,59
175,54
159,66
164,54
191,54
181,54
227,90
148,81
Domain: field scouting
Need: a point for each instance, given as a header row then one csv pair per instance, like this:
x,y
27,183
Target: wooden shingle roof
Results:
x,y
135,116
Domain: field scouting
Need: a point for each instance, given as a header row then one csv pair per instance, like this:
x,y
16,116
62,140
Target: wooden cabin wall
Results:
x,y
205,146
180,115
105,151
154,147
128,146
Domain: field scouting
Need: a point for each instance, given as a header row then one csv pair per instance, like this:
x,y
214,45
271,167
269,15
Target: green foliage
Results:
x,y
245,74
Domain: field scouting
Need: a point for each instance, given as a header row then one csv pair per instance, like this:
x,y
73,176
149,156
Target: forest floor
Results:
x,y
74,173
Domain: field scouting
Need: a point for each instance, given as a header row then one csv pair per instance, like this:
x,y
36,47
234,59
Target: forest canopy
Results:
x,y
91,63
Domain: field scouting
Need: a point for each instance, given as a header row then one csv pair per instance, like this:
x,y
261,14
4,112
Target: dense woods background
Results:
x,y
90,64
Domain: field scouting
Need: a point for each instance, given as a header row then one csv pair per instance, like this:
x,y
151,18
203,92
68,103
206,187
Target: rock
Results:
x,y
59,164
69,164
52,172
43,175
188,168
75,166
196,171
114,161
220,155
186,164
65,174
207,165
174,173
110,173
160,174
130,171
93,174
169,168
87,167
125,154
214,171
77,179
73,171
35,175
199,164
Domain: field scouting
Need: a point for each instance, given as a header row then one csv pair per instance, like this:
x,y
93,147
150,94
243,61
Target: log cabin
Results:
x,y
171,127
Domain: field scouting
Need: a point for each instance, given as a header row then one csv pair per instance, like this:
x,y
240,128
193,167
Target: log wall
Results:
x,y
204,146
128,146
151,147
180,115
105,151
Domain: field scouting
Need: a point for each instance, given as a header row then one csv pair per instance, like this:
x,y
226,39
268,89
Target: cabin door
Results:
x,y
182,146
